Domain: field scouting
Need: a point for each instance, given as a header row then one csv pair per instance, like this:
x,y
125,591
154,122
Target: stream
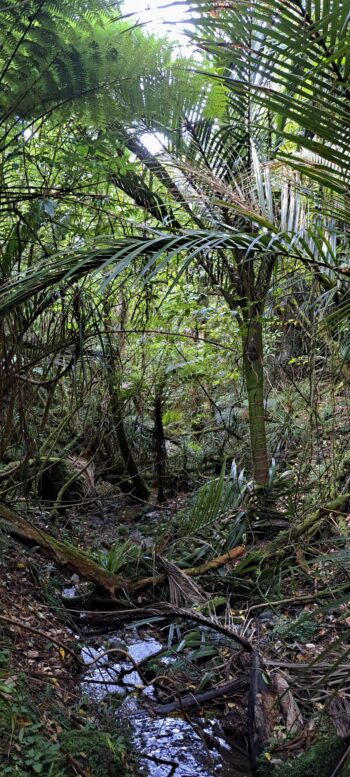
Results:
x,y
196,747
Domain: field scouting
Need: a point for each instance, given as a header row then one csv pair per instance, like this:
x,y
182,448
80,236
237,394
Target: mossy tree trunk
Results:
x,y
253,365
62,553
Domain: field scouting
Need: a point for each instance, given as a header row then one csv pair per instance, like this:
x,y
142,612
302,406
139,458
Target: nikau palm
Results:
x,y
219,202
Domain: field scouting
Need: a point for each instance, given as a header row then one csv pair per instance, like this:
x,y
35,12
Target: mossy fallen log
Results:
x,y
78,561
312,521
60,480
287,538
62,552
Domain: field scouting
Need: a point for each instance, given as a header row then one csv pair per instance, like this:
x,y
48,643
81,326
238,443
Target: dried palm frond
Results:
x,y
182,590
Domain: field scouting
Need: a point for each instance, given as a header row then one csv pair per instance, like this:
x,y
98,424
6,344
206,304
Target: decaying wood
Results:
x,y
287,537
81,469
61,552
78,561
261,705
63,472
196,699
339,711
308,524
292,715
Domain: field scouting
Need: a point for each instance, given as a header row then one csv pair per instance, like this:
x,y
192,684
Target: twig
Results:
x,y
214,563
21,625
76,765
340,763
165,761
166,610
301,598
122,653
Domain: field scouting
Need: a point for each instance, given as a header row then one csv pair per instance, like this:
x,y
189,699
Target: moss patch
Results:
x,y
319,761
102,753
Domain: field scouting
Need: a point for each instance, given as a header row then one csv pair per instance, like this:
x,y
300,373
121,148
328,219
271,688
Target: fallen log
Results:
x,y
62,552
283,540
215,563
308,524
261,710
292,715
196,699
287,537
78,561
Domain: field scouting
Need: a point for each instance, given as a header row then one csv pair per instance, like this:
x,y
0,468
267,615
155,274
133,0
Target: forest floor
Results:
x,y
46,726
57,717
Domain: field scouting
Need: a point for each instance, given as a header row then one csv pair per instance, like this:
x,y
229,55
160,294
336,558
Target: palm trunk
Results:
x,y
254,378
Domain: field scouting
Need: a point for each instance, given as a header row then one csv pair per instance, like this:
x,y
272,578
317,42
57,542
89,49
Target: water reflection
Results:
x,y
169,746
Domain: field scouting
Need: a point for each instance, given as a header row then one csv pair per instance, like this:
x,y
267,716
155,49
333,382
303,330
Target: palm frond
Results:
x,y
211,501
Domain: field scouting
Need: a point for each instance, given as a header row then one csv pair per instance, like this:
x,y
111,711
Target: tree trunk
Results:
x,y
160,449
113,355
254,378
139,488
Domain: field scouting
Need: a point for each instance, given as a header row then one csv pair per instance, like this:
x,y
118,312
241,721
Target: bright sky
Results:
x,y
165,19
159,16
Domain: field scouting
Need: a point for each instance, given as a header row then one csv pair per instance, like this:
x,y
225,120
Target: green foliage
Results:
x,y
37,754
105,754
31,750
28,748
318,761
302,629
212,500
119,556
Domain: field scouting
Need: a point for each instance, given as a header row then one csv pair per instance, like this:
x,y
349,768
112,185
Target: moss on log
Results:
x,y
61,552
78,561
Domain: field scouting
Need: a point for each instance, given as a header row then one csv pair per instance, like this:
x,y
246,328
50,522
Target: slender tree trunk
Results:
x,y
113,354
160,449
139,488
254,378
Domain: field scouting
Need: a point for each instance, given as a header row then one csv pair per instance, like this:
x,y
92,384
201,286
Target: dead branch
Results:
x,y
192,699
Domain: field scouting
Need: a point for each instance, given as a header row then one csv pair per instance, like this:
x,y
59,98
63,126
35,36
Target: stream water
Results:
x,y
169,745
